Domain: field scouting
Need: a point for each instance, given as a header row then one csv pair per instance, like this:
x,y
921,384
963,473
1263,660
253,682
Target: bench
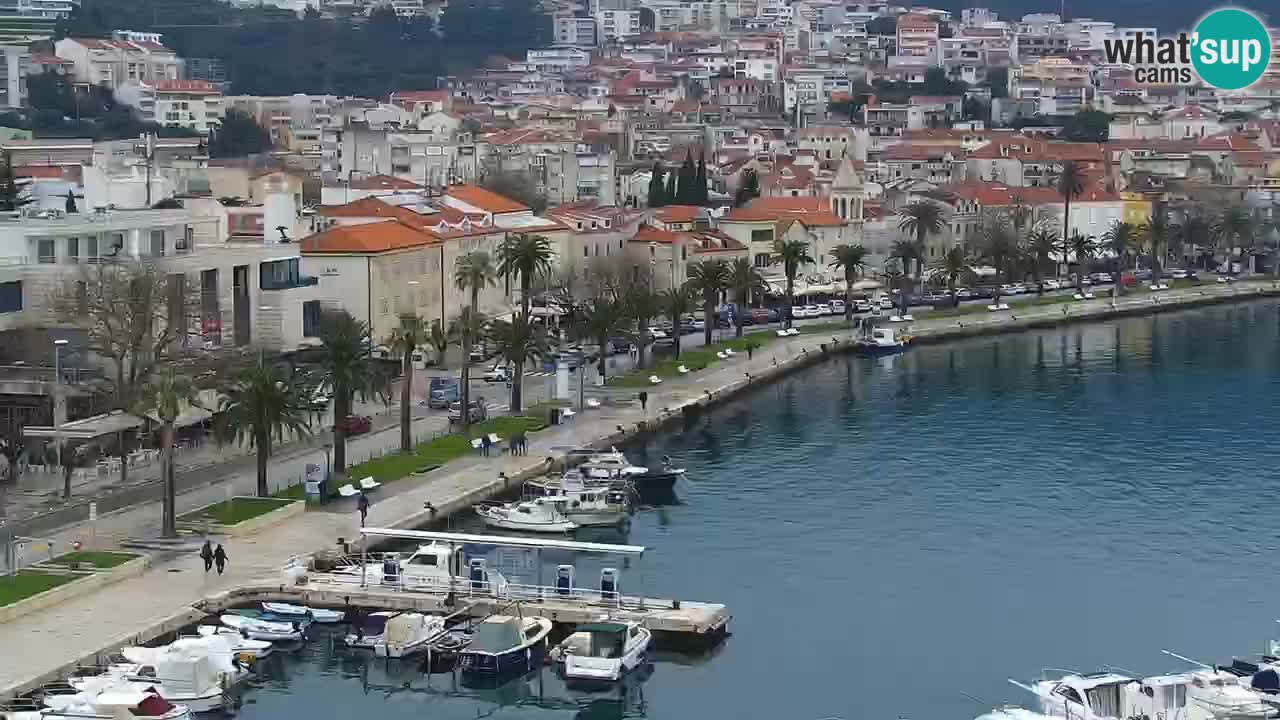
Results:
x,y
369,484
654,380
348,490
593,403
720,355
682,370
998,306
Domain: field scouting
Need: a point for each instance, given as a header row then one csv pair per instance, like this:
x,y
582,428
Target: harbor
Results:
x,y
844,527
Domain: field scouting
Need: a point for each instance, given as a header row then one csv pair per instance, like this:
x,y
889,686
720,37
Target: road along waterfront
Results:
x,y
77,629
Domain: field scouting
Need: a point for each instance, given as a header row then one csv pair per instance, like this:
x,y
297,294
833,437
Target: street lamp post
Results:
x,y
59,409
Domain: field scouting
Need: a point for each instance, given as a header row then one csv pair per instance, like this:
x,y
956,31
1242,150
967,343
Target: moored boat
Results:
x,y
318,615
586,505
539,515
881,341
262,629
239,643
196,672
114,703
504,644
602,652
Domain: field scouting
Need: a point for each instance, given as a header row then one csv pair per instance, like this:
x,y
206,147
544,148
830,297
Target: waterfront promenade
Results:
x,y
78,628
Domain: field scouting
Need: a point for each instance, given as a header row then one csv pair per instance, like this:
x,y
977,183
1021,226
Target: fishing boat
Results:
x,y
602,652
195,672
504,644
241,646
586,505
539,515
403,634
260,628
613,465
318,615
881,341
111,703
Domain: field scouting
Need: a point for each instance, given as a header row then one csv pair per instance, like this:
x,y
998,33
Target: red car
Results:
x,y
357,424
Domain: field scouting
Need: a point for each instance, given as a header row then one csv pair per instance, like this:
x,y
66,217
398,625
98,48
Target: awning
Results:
x,y
89,428
190,415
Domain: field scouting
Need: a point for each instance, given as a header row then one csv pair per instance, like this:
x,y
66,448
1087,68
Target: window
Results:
x,y
11,296
157,243
763,260
45,251
762,236
586,251
311,318
1068,694
73,250
91,249
1174,696
186,241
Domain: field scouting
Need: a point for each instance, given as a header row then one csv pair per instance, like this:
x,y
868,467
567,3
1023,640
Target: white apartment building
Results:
x,y
193,104
977,17
249,294
15,63
288,117
618,24
51,9
582,174
575,31
918,37
806,87
125,57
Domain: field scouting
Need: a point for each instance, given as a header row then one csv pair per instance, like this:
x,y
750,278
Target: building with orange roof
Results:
x,y
1028,162
192,104
760,225
918,37
123,58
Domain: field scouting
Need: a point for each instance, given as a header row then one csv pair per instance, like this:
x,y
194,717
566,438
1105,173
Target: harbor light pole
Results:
x,y
59,409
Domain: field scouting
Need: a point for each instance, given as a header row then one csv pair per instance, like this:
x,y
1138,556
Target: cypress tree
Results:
x,y
671,189
701,184
657,193
688,182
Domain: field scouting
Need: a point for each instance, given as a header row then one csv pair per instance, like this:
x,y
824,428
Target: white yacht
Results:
x,y
539,515
109,704
1203,694
195,672
240,644
603,651
586,505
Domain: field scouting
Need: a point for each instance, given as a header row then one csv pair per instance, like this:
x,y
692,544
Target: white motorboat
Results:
x,y
586,505
434,566
505,644
113,703
881,341
1204,694
603,651
1012,712
260,629
195,672
611,465
319,615
409,633
240,645
540,515
369,630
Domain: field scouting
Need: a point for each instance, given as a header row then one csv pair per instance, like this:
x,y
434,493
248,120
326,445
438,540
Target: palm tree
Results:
x,y
473,272
642,306
921,219
710,277
954,264
404,341
791,254
676,303
518,342
1070,186
1122,240
527,257
745,281
168,394
349,369
1082,249
261,406
1042,243
1156,233
853,260
601,317
999,245
1194,233
440,339
907,252
1233,229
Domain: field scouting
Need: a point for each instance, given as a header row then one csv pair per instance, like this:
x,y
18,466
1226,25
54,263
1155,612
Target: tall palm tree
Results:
x,y
998,244
1156,232
954,264
261,406
921,219
349,370
440,339
711,277
853,260
518,342
1070,185
792,254
404,341
1122,240
602,315
167,395
1082,248
1042,244
642,306
472,273
907,252
1195,233
527,257
1233,229
745,281
676,303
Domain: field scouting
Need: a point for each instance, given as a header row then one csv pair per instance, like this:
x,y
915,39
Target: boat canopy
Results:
x,y
498,634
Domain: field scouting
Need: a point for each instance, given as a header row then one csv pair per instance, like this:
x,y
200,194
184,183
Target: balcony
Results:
x,y
289,283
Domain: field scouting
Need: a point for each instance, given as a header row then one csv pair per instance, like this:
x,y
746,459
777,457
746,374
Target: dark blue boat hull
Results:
x,y
512,662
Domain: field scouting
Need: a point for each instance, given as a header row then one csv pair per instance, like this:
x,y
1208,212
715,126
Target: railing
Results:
x,y
290,283
70,375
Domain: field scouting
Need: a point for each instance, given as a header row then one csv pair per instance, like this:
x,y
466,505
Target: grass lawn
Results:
x,y
449,447
28,583
236,510
99,560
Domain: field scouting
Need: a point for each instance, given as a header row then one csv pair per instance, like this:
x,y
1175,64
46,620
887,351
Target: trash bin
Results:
x,y
555,416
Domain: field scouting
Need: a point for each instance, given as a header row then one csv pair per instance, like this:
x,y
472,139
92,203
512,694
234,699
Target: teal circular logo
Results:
x,y
1230,48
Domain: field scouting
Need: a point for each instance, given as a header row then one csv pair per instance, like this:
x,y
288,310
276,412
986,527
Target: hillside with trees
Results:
x,y
269,52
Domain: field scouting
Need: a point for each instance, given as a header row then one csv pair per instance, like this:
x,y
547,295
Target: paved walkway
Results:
x,y
79,627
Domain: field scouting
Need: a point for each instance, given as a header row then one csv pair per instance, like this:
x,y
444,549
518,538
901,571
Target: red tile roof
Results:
x,y
649,233
373,237
907,151
679,213
486,200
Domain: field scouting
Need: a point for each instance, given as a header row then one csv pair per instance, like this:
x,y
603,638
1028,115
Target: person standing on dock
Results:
x,y
220,558
644,401
206,554
362,504
485,443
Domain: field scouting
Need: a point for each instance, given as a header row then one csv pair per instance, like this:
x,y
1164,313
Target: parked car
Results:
x,y
1177,274
837,307
444,391
657,333
357,424
885,302
1051,284
497,374
821,309
862,306
476,411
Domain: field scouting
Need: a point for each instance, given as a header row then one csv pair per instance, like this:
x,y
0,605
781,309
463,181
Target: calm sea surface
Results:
x,y
895,535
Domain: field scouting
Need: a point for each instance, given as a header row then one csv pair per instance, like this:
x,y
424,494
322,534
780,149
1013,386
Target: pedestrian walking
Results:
x,y
220,558
206,554
362,504
485,444
644,401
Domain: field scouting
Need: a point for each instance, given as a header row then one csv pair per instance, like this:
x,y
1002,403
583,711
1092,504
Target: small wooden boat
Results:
x,y
539,515
319,615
